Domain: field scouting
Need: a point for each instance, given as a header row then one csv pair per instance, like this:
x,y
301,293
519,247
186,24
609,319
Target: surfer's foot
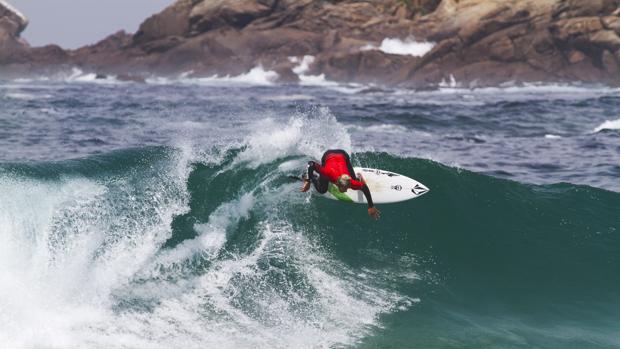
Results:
x,y
306,186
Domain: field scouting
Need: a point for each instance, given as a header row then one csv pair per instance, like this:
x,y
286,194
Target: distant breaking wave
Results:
x,y
256,76
396,46
608,125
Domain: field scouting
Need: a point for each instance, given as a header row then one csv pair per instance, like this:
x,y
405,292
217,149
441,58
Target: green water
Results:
x,y
478,262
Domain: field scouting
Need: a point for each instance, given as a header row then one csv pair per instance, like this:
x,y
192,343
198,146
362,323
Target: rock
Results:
x,y
286,74
480,42
606,39
115,42
581,8
610,63
331,39
212,14
575,30
371,66
132,78
611,23
172,21
576,56
11,20
12,23
502,50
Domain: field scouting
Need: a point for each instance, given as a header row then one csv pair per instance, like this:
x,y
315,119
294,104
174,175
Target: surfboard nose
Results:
x,y
419,189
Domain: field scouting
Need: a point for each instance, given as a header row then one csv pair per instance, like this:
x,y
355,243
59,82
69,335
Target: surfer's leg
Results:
x,y
320,184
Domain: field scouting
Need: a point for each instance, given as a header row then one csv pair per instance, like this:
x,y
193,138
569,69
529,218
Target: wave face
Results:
x,y
160,247
161,215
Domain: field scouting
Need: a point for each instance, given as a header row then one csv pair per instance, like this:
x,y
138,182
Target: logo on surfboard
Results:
x,y
380,172
419,190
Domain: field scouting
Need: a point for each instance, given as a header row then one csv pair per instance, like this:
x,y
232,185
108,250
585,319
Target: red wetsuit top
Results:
x,y
335,166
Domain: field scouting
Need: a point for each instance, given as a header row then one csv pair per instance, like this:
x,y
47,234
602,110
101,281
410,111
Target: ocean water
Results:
x,y
160,215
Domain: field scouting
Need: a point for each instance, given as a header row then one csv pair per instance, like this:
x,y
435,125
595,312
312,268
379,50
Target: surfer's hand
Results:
x,y
374,213
305,187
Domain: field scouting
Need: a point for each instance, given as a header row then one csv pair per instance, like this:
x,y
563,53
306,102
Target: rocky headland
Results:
x,y
475,42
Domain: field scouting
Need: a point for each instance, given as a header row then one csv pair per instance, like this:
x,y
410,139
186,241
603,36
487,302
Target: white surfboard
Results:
x,y
385,187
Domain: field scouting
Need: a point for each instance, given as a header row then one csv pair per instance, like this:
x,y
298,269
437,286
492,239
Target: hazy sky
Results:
x,y
74,23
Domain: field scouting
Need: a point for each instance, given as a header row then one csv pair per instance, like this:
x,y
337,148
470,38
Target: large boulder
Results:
x,y
172,21
12,23
211,14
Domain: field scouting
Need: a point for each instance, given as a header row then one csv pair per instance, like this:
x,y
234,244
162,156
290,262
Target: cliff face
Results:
x,y
479,42
12,23
493,41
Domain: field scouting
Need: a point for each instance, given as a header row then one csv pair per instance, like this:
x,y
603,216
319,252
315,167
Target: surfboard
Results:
x,y
385,187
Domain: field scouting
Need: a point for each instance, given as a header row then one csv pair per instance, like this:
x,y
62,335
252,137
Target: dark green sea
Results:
x,y
161,215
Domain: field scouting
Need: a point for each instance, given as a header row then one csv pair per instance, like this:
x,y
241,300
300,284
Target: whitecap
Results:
x,y
552,136
608,125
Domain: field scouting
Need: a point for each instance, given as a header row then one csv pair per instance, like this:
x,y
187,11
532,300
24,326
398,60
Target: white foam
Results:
x,y
77,254
68,244
212,234
293,97
290,165
608,125
72,76
539,88
452,84
307,135
21,96
382,128
396,46
552,136
256,76
251,313
77,75
386,128
303,65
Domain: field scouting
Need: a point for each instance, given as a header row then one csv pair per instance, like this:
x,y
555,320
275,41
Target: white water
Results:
x,y
256,76
68,244
608,125
301,135
82,264
301,69
408,46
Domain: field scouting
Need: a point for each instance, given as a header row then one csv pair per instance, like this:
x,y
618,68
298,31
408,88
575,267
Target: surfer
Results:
x,y
336,168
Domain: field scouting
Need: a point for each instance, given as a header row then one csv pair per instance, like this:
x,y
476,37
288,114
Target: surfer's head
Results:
x,y
343,183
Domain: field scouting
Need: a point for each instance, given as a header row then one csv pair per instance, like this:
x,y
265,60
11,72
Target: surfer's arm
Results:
x,y
312,167
366,192
372,210
361,185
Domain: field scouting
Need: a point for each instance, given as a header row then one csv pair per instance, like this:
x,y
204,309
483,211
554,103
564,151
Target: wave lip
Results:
x,y
608,125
